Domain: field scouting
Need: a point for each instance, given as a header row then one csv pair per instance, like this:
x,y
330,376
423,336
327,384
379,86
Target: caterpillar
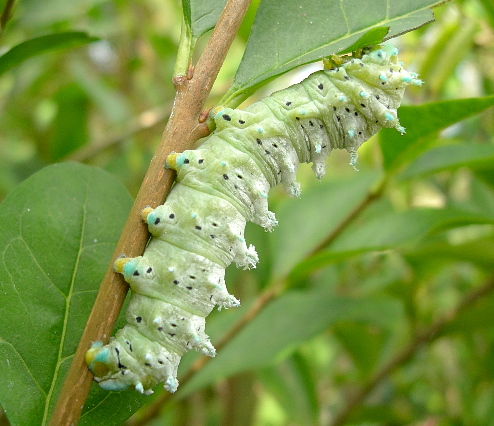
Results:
x,y
220,186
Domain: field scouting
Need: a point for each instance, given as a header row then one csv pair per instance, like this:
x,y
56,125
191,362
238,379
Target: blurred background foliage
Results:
x,y
106,104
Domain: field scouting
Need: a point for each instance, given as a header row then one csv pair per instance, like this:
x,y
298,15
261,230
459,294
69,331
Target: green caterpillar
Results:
x,y
220,186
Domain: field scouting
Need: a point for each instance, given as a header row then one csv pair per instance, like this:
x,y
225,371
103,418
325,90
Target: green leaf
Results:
x,y
39,45
42,14
480,251
423,121
112,103
70,124
306,223
374,36
388,231
297,33
363,342
293,385
450,157
479,317
201,16
57,232
287,323
376,414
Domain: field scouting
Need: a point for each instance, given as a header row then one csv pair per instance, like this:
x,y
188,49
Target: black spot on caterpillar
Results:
x,y
220,186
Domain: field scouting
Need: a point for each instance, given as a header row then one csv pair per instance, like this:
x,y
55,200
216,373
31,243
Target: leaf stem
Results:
x,y
191,95
185,50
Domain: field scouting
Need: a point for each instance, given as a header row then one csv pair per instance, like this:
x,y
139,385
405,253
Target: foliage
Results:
x,y
377,286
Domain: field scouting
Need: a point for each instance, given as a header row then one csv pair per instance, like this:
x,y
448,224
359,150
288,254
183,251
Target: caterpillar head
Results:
x,y
102,362
107,365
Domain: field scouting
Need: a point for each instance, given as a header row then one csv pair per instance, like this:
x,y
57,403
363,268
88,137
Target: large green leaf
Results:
x,y
57,232
423,121
388,231
201,16
42,14
450,157
286,35
294,386
39,45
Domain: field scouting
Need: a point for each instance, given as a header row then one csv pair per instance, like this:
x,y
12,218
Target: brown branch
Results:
x,y
189,102
424,336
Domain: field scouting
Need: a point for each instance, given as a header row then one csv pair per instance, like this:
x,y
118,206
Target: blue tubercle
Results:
x,y
151,218
129,268
219,114
389,116
96,345
180,160
103,356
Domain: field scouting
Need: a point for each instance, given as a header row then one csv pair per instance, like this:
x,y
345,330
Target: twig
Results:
x,y
3,419
6,15
426,335
189,103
